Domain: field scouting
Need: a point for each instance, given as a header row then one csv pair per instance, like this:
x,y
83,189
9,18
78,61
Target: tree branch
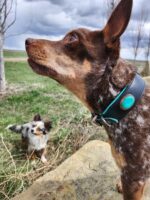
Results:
x,y
7,12
4,17
147,51
1,9
139,33
13,21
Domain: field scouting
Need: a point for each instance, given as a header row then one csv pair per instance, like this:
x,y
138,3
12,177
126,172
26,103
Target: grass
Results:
x,y
28,94
139,64
14,54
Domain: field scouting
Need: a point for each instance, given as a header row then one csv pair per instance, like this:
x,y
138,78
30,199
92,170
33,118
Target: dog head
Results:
x,y
80,53
38,126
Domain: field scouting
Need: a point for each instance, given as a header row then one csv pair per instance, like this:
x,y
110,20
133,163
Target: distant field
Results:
x,y
138,63
14,54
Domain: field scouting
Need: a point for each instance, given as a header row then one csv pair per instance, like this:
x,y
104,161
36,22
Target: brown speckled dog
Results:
x,y
87,63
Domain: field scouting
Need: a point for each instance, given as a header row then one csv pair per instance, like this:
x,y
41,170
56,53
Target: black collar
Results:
x,y
123,103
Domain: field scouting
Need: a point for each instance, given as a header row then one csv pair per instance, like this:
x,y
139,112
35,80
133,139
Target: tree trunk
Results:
x,y
2,69
146,70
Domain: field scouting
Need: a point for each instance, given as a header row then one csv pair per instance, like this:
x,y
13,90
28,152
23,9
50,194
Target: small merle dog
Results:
x,y
34,136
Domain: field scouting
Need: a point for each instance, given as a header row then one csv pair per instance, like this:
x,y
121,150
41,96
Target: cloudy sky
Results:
x,y
51,19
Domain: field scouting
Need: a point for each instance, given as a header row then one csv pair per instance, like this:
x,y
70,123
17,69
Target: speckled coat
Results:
x,y
130,139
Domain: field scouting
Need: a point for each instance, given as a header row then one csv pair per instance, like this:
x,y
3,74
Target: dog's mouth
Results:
x,y
42,69
40,133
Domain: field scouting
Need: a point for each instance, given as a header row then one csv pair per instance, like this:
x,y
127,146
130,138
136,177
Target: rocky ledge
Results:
x,y
89,174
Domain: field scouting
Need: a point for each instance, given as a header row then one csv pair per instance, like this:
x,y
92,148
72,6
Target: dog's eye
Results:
x,y
73,38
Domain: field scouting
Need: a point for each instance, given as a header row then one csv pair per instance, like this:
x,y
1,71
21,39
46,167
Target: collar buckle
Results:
x,y
100,120
104,122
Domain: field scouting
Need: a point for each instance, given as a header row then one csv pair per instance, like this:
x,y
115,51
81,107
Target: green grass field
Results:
x,y
28,94
14,54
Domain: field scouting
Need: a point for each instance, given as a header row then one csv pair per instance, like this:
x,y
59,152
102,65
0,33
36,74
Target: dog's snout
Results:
x,y
29,41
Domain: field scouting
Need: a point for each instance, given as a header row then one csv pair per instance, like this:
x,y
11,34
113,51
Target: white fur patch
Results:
x,y
37,142
65,71
101,98
145,107
148,94
118,131
112,91
62,70
43,159
140,120
148,139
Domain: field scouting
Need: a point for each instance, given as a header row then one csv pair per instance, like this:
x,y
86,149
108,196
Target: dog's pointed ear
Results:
x,y
118,21
37,117
48,125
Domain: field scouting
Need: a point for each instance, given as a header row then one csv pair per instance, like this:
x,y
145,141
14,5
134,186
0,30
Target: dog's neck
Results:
x,y
106,81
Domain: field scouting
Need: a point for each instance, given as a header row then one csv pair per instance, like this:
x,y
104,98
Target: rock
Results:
x,y
89,174
147,79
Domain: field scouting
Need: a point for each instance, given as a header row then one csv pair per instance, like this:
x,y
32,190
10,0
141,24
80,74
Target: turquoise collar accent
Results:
x,y
124,102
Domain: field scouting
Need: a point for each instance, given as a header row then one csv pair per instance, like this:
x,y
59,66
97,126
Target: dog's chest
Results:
x,y
37,142
131,137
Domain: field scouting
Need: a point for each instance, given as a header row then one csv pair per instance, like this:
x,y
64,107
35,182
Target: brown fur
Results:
x,y
119,158
88,64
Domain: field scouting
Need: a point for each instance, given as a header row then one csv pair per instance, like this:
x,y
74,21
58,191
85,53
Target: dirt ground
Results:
x,y
15,59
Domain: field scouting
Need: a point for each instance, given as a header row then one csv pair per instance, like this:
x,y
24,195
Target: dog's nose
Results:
x,y
29,41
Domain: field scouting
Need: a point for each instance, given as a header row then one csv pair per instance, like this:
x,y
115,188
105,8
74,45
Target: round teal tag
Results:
x,y
127,102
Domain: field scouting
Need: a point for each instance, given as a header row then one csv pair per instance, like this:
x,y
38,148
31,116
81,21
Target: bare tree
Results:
x,y
139,32
146,70
147,50
7,10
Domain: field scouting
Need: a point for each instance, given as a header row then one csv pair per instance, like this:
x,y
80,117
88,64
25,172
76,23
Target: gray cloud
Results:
x,y
53,18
